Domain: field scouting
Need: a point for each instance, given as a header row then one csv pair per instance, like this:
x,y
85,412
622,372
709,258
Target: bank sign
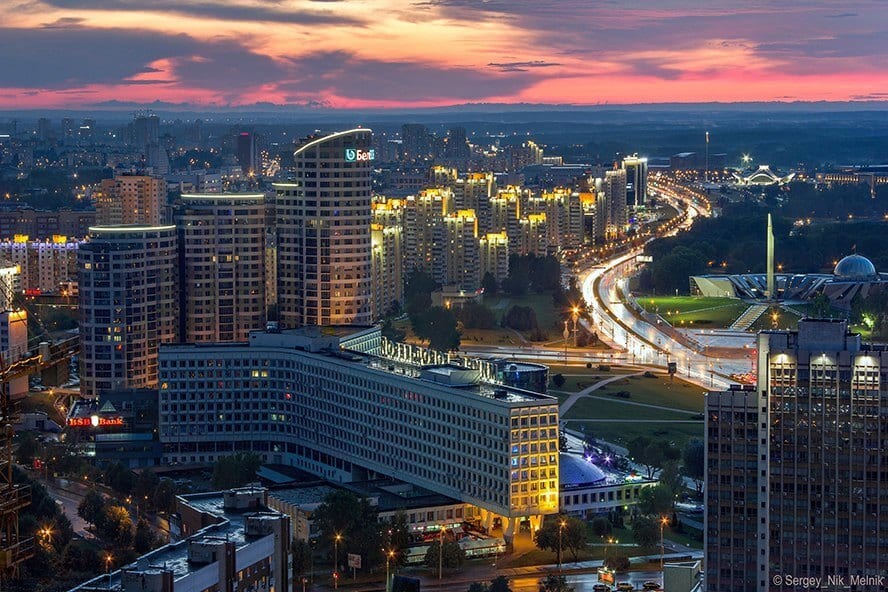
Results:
x,y
358,155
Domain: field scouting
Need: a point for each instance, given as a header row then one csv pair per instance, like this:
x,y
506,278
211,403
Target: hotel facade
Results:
x,y
351,406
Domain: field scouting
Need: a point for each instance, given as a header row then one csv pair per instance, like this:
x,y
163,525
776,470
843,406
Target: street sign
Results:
x,y
354,561
672,367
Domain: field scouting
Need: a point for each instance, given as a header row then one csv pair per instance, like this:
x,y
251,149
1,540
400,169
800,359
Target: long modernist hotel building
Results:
x,y
346,404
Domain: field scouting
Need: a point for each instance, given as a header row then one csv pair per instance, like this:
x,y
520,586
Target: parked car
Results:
x,y
601,588
625,587
651,586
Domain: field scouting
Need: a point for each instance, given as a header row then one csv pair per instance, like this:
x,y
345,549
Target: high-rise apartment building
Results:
x,y
416,142
614,189
564,217
442,176
796,470
506,210
494,248
424,231
473,192
456,144
636,181
461,258
323,221
222,256
13,324
44,225
145,130
45,266
130,199
387,240
534,235
128,303
247,152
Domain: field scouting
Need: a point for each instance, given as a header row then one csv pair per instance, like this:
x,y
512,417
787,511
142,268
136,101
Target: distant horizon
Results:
x,y
427,54
121,108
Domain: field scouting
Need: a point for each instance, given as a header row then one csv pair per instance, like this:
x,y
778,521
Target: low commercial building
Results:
x,y
424,510
231,541
588,490
117,427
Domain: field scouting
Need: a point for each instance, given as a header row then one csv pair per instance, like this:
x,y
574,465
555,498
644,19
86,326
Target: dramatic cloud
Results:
x,y
262,11
346,75
435,52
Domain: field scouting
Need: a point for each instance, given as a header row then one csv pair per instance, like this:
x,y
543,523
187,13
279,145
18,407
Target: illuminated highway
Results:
x,y
642,341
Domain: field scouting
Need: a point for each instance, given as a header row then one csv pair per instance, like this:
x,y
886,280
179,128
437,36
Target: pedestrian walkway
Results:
x,y
749,317
565,407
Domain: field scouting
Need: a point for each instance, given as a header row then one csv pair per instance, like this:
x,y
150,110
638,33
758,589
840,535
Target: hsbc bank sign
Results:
x,y
358,155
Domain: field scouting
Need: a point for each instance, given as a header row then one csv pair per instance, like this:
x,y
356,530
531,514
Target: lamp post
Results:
x,y
561,526
336,540
663,521
610,541
108,560
388,557
575,315
441,552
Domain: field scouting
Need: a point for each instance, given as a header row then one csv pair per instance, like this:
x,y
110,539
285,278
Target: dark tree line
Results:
x,y
732,244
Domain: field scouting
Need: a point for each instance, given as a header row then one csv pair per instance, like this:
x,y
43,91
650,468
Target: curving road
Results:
x,y
621,328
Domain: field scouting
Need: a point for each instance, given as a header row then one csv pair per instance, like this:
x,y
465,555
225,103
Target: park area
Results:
x,y
630,404
694,311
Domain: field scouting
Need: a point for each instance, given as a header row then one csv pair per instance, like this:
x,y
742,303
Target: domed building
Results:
x,y
853,276
587,489
855,267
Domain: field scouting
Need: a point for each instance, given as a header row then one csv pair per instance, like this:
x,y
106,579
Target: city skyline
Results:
x,y
383,54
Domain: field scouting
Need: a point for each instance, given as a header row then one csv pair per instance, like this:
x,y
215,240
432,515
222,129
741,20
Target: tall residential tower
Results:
x,y
222,265
323,221
128,301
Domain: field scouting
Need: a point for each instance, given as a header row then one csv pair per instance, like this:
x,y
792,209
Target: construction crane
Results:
x,y
14,548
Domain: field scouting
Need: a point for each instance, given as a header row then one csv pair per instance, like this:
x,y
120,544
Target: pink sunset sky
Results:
x,y
402,53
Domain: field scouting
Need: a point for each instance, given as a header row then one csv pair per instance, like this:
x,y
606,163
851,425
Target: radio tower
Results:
x,y
706,174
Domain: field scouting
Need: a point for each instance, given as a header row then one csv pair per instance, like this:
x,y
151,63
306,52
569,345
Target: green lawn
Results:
x,y
690,537
577,382
618,408
623,433
659,391
690,311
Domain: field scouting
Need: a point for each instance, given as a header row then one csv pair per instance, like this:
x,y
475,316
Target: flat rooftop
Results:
x,y
386,495
325,342
173,557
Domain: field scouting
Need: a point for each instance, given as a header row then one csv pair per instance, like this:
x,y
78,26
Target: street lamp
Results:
x,y
441,551
561,526
575,315
108,560
610,541
388,557
336,539
663,522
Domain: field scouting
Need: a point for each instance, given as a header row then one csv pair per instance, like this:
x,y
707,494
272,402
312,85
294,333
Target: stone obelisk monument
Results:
x,y
771,289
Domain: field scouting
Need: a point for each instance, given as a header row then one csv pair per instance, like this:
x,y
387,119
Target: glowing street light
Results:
x,y
336,539
388,558
663,522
